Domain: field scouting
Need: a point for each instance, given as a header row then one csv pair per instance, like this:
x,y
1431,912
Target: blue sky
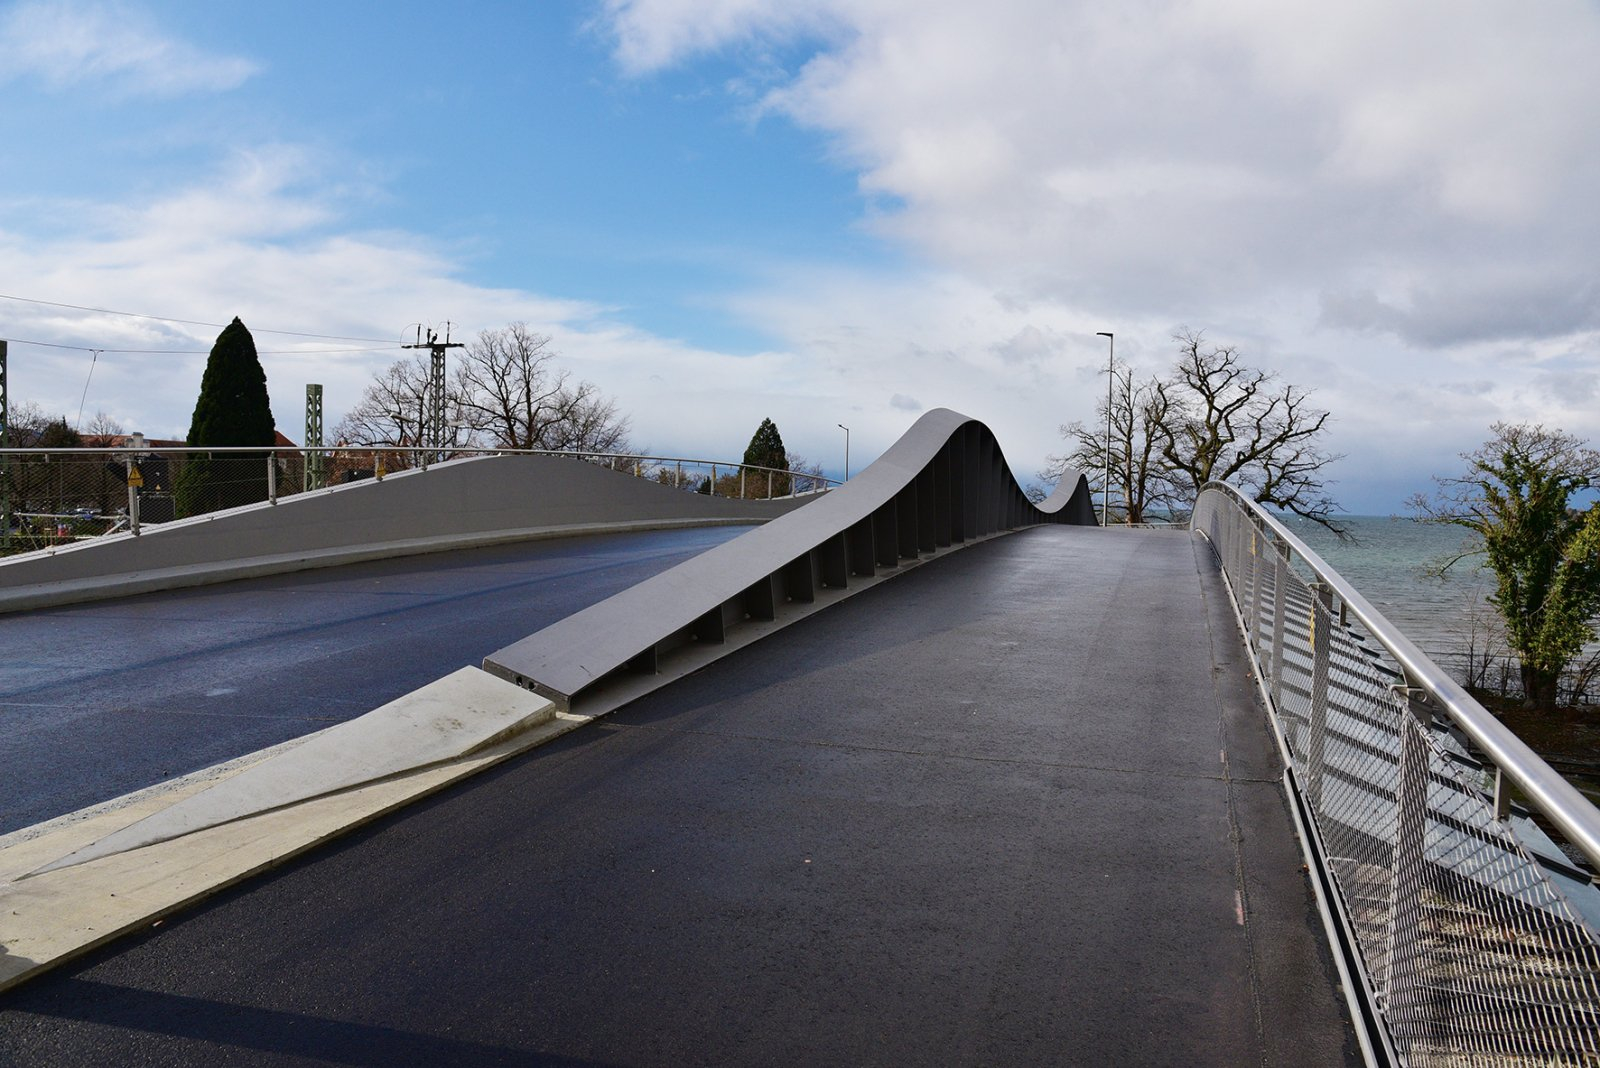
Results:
x,y
823,212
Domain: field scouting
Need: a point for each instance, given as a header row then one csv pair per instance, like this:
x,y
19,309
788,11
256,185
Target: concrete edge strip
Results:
x,y
57,916
452,717
98,588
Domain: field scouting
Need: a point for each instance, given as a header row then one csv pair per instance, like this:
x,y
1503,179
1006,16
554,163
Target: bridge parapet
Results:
x,y
1466,935
944,484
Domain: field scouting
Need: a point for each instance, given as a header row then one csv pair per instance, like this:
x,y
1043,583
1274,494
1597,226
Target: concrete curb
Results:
x,y
50,918
105,587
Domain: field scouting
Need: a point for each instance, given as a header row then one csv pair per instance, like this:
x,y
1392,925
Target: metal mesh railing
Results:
x,y
1473,929
53,497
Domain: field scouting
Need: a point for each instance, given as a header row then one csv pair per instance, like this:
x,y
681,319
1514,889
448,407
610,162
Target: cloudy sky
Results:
x,y
843,211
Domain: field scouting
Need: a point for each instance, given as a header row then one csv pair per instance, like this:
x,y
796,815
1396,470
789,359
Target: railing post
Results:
x,y
1241,546
1407,994
741,482
713,482
1280,568
1258,551
1317,727
272,479
133,497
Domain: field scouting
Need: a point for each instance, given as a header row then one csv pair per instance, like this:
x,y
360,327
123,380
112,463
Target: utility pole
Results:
x,y
5,460
433,436
315,473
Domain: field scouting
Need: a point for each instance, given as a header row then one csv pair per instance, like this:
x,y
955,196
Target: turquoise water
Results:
x,y
1389,563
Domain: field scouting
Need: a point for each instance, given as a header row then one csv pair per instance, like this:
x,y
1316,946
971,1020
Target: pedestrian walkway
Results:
x,y
1017,806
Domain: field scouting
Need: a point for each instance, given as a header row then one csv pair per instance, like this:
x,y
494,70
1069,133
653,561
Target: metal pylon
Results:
x,y
316,475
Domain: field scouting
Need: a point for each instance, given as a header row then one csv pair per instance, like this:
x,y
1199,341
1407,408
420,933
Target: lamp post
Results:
x,y
1111,380
846,430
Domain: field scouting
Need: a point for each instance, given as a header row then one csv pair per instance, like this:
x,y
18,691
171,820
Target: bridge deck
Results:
x,y
1018,806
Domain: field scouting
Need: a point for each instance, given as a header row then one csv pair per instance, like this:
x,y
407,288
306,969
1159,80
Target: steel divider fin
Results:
x,y
959,494
972,491
834,556
997,488
985,486
906,513
761,600
713,625
645,663
863,555
927,509
800,578
941,497
886,535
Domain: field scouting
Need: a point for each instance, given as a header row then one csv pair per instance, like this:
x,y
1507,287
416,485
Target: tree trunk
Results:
x,y
1540,688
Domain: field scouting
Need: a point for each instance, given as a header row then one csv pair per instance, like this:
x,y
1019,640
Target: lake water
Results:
x,y
1389,563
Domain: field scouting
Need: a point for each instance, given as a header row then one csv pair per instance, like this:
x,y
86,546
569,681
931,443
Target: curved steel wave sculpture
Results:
x,y
943,485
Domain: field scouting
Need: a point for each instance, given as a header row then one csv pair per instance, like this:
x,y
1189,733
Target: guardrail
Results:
x,y
50,497
1466,932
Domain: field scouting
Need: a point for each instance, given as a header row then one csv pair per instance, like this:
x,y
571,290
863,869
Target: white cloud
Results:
x,y
905,403
252,241
64,43
1164,156
1381,201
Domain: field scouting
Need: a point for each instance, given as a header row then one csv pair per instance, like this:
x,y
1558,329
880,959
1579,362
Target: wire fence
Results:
x,y
1471,917
54,497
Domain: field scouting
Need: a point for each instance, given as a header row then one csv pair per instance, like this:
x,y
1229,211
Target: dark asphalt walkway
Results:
x,y
1016,807
100,699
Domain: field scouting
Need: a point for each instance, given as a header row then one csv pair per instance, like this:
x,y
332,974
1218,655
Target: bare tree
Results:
x,y
1211,418
103,426
1226,421
26,421
514,393
1140,474
393,410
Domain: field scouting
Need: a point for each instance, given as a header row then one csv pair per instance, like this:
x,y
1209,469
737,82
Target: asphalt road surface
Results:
x,y
1017,806
100,699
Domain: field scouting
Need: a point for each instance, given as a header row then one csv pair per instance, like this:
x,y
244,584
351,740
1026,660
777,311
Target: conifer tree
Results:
x,y
232,410
766,450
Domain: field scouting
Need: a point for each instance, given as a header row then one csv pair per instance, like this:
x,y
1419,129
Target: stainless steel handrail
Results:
x,y
1554,797
473,450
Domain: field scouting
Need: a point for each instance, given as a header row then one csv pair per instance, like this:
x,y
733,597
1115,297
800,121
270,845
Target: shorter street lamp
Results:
x,y
846,430
1111,381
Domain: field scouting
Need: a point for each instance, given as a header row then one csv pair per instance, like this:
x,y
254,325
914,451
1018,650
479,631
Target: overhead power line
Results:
x,y
192,352
187,322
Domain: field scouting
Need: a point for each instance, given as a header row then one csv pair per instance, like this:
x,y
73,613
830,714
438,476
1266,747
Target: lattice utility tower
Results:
x,y
316,461
433,433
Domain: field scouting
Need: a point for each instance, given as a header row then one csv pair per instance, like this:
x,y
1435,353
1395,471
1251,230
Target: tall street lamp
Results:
x,y
846,430
1111,379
